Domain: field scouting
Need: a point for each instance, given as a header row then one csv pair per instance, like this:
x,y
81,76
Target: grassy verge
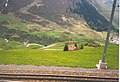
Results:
x,y
86,58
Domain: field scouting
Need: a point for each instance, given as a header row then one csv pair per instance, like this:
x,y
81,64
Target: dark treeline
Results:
x,y
22,36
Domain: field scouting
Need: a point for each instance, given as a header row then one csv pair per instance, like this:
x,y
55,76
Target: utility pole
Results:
x,y
102,63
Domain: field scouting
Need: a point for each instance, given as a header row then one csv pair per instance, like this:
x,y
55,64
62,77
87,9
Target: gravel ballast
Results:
x,y
30,69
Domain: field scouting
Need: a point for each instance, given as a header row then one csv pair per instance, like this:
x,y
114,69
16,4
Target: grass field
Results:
x,y
48,33
85,58
62,35
12,22
9,45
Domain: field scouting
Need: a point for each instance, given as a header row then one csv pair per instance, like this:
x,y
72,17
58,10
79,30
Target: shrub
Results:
x,y
76,46
66,47
82,47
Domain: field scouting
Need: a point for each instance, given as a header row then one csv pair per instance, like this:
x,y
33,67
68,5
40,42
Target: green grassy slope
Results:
x,y
11,21
86,58
9,45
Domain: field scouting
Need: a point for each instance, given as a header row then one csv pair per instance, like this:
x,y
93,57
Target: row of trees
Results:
x,y
22,36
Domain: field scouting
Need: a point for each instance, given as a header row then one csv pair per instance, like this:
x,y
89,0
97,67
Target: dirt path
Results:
x,y
57,70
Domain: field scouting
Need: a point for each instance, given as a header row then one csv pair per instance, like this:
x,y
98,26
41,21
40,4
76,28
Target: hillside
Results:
x,y
42,11
105,7
48,21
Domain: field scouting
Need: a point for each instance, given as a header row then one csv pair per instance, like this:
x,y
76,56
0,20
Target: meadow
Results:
x,y
85,58
12,22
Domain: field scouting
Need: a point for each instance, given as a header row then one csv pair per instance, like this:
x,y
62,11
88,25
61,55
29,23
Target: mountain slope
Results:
x,y
49,21
104,7
56,10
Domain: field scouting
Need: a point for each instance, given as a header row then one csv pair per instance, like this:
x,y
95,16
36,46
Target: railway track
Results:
x,y
70,78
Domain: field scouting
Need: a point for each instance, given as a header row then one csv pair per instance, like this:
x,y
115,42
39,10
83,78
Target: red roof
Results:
x,y
71,48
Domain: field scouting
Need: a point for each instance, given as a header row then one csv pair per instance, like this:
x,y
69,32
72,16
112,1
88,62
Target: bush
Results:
x,y
82,47
76,47
66,47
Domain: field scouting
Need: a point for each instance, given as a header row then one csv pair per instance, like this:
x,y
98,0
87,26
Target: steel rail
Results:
x,y
58,77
